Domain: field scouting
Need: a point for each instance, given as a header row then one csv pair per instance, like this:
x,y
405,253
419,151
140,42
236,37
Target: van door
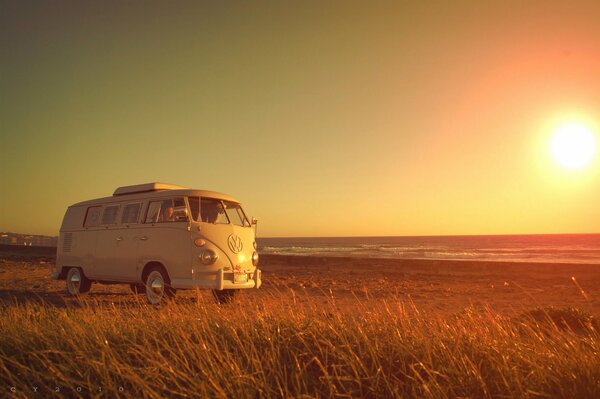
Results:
x,y
127,244
165,239
106,239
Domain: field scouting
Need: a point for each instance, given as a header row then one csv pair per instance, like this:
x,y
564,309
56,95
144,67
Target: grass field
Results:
x,y
272,348
286,341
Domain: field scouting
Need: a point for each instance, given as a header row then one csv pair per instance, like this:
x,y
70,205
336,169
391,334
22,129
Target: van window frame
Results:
x,y
189,207
161,201
139,212
87,214
150,202
116,217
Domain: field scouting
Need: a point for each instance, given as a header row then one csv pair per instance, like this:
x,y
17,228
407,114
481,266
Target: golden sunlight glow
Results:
x,y
573,145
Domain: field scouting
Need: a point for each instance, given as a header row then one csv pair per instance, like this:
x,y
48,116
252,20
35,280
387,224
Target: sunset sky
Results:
x,y
324,118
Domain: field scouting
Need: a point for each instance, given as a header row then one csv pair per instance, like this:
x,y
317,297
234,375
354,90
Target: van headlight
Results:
x,y
208,257
255,258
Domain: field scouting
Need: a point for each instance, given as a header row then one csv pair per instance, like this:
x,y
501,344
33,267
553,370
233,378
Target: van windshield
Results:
x,y
222,212
236,214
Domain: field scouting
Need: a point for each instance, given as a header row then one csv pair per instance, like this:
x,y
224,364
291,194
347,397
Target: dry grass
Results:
x,y
282,345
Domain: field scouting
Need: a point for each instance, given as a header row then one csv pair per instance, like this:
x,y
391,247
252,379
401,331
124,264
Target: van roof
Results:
x,y
145,188
155,190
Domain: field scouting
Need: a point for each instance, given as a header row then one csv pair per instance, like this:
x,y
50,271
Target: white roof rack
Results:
x,y
146,188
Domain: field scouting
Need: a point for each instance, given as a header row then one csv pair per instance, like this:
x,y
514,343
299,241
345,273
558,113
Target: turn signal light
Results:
x,y
199,242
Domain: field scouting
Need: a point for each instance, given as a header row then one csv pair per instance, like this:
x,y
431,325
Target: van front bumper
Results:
x,y
218,280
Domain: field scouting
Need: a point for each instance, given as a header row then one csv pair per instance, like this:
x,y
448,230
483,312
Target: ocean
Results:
x,y
564,248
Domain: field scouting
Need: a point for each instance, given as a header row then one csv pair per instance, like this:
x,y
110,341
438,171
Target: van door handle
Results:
x,y
144,238
119,238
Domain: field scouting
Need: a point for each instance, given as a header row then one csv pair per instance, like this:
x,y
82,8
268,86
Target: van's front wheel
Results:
x,y
224,296
77,283
157,286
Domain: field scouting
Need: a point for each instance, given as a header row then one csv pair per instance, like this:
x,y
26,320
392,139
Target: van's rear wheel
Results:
x,y
138,288
224,296
77,283
157,286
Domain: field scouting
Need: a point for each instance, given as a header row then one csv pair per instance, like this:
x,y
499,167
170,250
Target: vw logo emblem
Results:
x,y
235,243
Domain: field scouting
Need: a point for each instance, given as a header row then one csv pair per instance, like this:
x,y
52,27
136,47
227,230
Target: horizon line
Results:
x,y
377,236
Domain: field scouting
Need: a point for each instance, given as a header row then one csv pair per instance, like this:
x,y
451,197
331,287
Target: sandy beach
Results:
x,y
444,286
431,285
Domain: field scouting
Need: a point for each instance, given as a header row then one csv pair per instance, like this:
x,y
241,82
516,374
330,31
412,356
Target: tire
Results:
x,y
224,296
158,286
138,288
76,282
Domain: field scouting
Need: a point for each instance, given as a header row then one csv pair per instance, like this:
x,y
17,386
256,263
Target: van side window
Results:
x,y
109,216
131,213
212,211
178,203
92,216
153,212
163,211
166,211
194,207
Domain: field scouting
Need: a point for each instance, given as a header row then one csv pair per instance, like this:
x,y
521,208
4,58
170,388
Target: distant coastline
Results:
x,y
36,240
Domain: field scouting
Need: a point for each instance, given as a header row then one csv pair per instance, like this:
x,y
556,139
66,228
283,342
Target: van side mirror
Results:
x,y
255,224
180,213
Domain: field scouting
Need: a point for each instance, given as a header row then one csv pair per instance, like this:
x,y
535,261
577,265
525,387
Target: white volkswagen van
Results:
x,y
159,238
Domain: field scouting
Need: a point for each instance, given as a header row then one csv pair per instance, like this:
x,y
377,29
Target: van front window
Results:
x,y
211,211
224,212
236,214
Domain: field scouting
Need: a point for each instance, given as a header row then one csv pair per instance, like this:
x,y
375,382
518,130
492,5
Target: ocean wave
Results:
x,y
537,253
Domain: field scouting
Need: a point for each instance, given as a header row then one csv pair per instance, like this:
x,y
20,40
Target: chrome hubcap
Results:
x,y
74,281
155,287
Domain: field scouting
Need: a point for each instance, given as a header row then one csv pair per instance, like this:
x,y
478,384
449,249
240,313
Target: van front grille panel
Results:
x,y
67,242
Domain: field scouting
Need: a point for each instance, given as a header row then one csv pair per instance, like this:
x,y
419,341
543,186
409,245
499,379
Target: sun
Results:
x,y
573,145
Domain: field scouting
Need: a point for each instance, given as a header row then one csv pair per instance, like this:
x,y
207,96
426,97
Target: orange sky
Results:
x,y
324,119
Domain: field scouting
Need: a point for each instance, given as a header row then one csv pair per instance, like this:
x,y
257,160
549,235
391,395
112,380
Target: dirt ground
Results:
x,y
432,286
